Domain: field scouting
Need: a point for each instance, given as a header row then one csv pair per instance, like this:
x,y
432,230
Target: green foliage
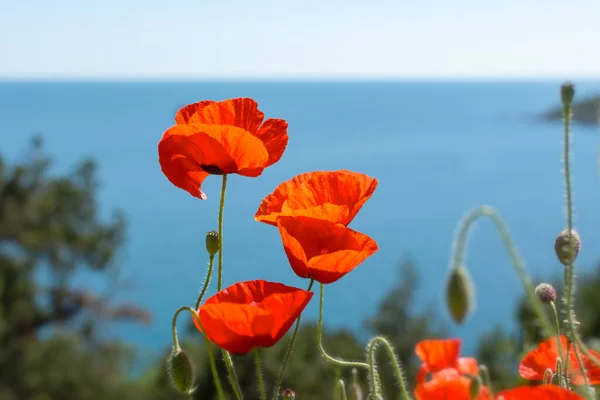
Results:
x,y
50,349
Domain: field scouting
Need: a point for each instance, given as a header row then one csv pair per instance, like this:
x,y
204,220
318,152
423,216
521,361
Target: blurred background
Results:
x,y
450,105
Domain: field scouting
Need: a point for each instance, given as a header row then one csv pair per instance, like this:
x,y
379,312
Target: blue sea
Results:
x,y
438,149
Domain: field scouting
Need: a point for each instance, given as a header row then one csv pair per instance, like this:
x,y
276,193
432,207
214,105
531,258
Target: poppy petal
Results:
x,y
251,314
449,384
536,362
439,354
323,250
188,153
468,366
542,392
335,196
184,114
240,112
273,134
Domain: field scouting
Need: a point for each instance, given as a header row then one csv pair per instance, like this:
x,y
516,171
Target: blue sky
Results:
x,y
299,39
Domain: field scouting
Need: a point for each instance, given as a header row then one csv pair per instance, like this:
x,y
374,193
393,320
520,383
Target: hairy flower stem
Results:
x,y
459,252
211,358
563,378
332,360
226,356
570,268
233,379
341,390
221,207
398,371
261,382
206,282
288,352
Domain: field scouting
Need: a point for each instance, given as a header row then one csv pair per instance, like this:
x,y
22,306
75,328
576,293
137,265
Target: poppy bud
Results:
x,y
181,371
474,387
545,293
567,92
288,394
212,242
459,294
562,247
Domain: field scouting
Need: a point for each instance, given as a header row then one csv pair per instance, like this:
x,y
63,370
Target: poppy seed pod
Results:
x,y
567,92
545,293
212,242
474,387
459,294
563,249
288,394
181,371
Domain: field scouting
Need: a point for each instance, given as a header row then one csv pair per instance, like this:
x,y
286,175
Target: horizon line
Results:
x,y
286,79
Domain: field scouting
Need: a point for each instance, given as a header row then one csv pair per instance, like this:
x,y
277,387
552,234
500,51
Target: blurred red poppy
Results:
x,y
334,196
219,138
252,314
537,361
322,250
441,354
542,392
449,384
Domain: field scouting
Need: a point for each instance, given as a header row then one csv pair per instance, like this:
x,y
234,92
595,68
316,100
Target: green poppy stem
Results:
x,y
288,352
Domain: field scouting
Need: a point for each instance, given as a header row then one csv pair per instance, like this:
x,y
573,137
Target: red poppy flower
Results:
x,y
438,354
335,196
219,138
449,384
542,392
251,314
537,361
322,250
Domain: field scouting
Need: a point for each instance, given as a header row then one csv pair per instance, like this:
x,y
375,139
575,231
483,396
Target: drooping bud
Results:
x,y
545,293
474,387
288,394
563,249
567,92
181,371
212,242
459,294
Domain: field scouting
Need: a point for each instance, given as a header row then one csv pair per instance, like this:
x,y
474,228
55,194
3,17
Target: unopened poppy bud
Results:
x,y
212,242
545,293
474,387
181,371
288,394
459,294
567,92
562,247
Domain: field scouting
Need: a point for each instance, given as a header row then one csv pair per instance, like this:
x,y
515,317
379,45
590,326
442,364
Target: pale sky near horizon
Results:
x,y
184,39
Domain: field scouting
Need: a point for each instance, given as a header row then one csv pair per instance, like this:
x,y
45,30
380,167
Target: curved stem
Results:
x,y
211,359
332,360
233,379
206,282
221,207
261,382
288,352
398,372
459,251
341,389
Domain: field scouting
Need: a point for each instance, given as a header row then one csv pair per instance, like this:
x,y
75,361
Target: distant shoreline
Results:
x,y
586,111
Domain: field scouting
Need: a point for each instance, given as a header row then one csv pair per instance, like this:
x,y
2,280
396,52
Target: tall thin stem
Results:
x,y
459,253
288,352
221,208
211,262
332,360
261,382
211,359
233,379
398,371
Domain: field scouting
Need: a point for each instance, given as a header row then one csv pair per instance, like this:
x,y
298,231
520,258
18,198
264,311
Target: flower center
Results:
x,y
212,169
